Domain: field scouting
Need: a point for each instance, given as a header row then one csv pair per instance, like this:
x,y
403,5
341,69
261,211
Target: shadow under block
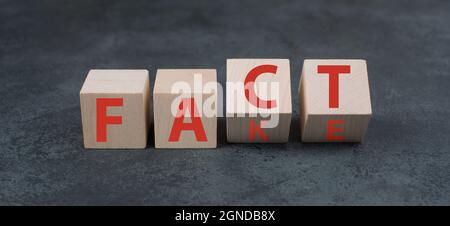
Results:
x,y
114,109
185,114
334,100
258,100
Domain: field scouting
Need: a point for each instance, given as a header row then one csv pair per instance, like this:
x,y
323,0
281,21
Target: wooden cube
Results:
x,y
258,98
334,101
114,109
185,114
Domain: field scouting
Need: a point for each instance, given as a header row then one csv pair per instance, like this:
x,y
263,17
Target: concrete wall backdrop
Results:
x,y
47,48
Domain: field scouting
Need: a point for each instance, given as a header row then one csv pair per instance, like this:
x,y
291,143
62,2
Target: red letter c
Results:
x,y
250,89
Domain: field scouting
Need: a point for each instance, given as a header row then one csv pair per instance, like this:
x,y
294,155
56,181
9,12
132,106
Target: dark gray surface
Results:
x,y
47,48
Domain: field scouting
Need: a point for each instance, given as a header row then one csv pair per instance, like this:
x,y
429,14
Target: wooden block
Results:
x,y
185,114
114,109
334,100
259,107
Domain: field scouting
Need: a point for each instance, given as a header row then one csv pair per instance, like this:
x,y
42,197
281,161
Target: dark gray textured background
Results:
x,y
47,48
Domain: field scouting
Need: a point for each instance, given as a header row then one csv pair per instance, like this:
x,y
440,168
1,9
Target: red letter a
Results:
x,y
196,124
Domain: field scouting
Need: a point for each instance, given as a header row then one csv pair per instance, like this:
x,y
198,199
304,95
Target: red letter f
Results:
x,y
102,119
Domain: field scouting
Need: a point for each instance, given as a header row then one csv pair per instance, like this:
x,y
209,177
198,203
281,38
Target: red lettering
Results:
x,y
102,119
255,128
333,71
196,124
250,89
331,130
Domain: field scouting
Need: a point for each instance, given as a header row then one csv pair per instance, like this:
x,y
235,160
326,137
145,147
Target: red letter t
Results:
x,y
333,71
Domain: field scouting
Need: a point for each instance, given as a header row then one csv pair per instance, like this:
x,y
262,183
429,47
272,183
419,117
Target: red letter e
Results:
x,y
331,130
